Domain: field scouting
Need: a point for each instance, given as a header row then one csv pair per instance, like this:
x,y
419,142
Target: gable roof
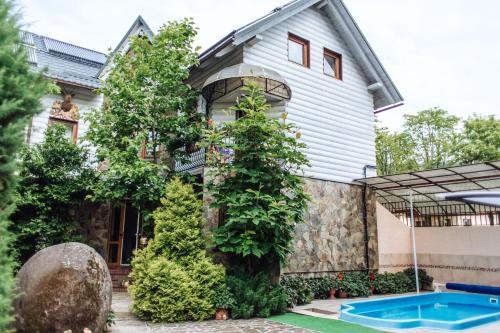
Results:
x,y
65,62
139,26
384,89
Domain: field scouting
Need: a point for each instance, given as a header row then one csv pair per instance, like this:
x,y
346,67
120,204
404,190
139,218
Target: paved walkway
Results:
x,y
127,323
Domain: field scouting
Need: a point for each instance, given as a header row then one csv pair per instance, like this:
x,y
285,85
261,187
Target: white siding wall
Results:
x,y
335,117
84,99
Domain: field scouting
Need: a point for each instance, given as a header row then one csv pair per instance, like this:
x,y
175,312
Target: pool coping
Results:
x,y
416,323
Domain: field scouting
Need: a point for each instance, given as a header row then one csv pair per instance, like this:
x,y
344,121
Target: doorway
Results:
x,y
123,234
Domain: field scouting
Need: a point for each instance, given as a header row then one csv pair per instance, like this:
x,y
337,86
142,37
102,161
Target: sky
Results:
x,y
439,53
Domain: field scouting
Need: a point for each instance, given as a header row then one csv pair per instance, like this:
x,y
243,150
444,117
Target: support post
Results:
x,y
414,243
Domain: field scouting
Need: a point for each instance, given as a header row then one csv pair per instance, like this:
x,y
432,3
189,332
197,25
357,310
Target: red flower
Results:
x,y
372,277
340,277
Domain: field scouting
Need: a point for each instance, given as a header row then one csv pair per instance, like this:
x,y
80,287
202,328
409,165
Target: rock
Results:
x,y
63,287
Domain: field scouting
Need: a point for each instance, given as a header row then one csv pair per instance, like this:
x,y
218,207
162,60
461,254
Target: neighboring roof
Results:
x,y
340,17
138,27
428,187
65,62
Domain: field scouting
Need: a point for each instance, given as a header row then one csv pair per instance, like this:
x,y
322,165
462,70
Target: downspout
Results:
x,y
365,217
365,224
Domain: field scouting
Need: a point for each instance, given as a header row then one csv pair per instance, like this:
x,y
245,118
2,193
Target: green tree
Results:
x,y
433,133
479,141
172,278
148,110
20,92
255,161
395,152
54,177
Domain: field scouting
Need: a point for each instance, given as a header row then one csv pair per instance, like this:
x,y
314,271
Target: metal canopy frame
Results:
x,y
429,207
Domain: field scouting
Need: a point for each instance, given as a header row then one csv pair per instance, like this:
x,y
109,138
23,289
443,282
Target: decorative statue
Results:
x,y
66,109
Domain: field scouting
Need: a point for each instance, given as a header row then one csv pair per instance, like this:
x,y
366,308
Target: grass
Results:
x,y
321,324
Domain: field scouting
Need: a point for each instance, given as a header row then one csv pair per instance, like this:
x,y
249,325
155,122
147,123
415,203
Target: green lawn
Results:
x,y
321,324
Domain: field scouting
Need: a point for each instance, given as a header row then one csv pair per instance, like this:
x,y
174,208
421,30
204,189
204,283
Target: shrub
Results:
x,y
172,279
255,296
425,280
392,283
297,289
356,284
54,177
320,286
224,298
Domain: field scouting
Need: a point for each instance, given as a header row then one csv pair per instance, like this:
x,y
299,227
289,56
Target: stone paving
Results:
x,y
127,323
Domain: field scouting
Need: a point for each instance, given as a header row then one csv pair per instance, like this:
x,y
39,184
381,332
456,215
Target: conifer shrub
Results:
x,y
172,277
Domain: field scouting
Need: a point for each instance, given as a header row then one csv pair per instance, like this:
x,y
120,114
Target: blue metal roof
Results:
x,y
65,62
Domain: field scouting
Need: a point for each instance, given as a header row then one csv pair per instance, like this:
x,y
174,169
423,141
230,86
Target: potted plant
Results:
x,y
342,286
372,282
333,286
223,302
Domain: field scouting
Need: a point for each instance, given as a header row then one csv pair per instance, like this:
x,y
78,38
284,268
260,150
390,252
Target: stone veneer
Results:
x,y
93,221
332,239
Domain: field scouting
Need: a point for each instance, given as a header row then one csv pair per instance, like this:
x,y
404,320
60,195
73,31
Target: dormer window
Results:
x,y
298,50
332,64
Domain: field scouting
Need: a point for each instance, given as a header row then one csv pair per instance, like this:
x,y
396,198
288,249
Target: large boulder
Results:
x,y
63,287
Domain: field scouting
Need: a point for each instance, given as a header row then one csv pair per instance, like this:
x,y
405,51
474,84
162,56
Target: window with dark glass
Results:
x,y
332,64
298,50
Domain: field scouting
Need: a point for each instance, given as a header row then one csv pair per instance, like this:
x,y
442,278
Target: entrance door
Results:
x,y
123,235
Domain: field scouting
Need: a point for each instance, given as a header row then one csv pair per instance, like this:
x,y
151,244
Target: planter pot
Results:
x,y
331,293
342,294
372,288
221,314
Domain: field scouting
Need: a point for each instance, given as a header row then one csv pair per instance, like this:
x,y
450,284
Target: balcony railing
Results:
x,y
194,161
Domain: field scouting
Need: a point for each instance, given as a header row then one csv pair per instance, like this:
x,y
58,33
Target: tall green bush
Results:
x,y
255,161
20,93
54,177
172,278
255,296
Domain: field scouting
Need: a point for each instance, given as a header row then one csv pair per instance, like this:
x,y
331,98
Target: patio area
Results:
x,y
322,309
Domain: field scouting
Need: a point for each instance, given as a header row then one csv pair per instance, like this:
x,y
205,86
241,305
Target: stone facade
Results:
x,y
93,225
333,237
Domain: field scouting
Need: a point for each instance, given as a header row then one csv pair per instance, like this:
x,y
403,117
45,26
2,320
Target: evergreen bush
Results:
x,y
255,296
20,93
321,286
424,279
172,278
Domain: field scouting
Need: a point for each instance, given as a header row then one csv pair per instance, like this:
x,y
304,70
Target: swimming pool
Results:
x,y
452,311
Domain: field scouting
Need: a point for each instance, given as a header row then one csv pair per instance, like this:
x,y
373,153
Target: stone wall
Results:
x,y
93,225
333,238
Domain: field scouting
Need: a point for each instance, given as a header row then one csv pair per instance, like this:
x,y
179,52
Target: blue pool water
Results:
x,y
453,311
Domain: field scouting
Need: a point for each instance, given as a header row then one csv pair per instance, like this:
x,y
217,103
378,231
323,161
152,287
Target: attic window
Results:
x,y
332,64
298,50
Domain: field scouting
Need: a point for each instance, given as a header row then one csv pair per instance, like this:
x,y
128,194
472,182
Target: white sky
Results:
x,y
438,52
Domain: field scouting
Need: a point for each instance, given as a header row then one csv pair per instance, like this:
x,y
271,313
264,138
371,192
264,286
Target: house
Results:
x,y
314,63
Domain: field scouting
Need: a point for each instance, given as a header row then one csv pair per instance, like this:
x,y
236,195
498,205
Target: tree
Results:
x,y
148,110
394,152
172,278
433,133
54,177
255,161
20,92
479,141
